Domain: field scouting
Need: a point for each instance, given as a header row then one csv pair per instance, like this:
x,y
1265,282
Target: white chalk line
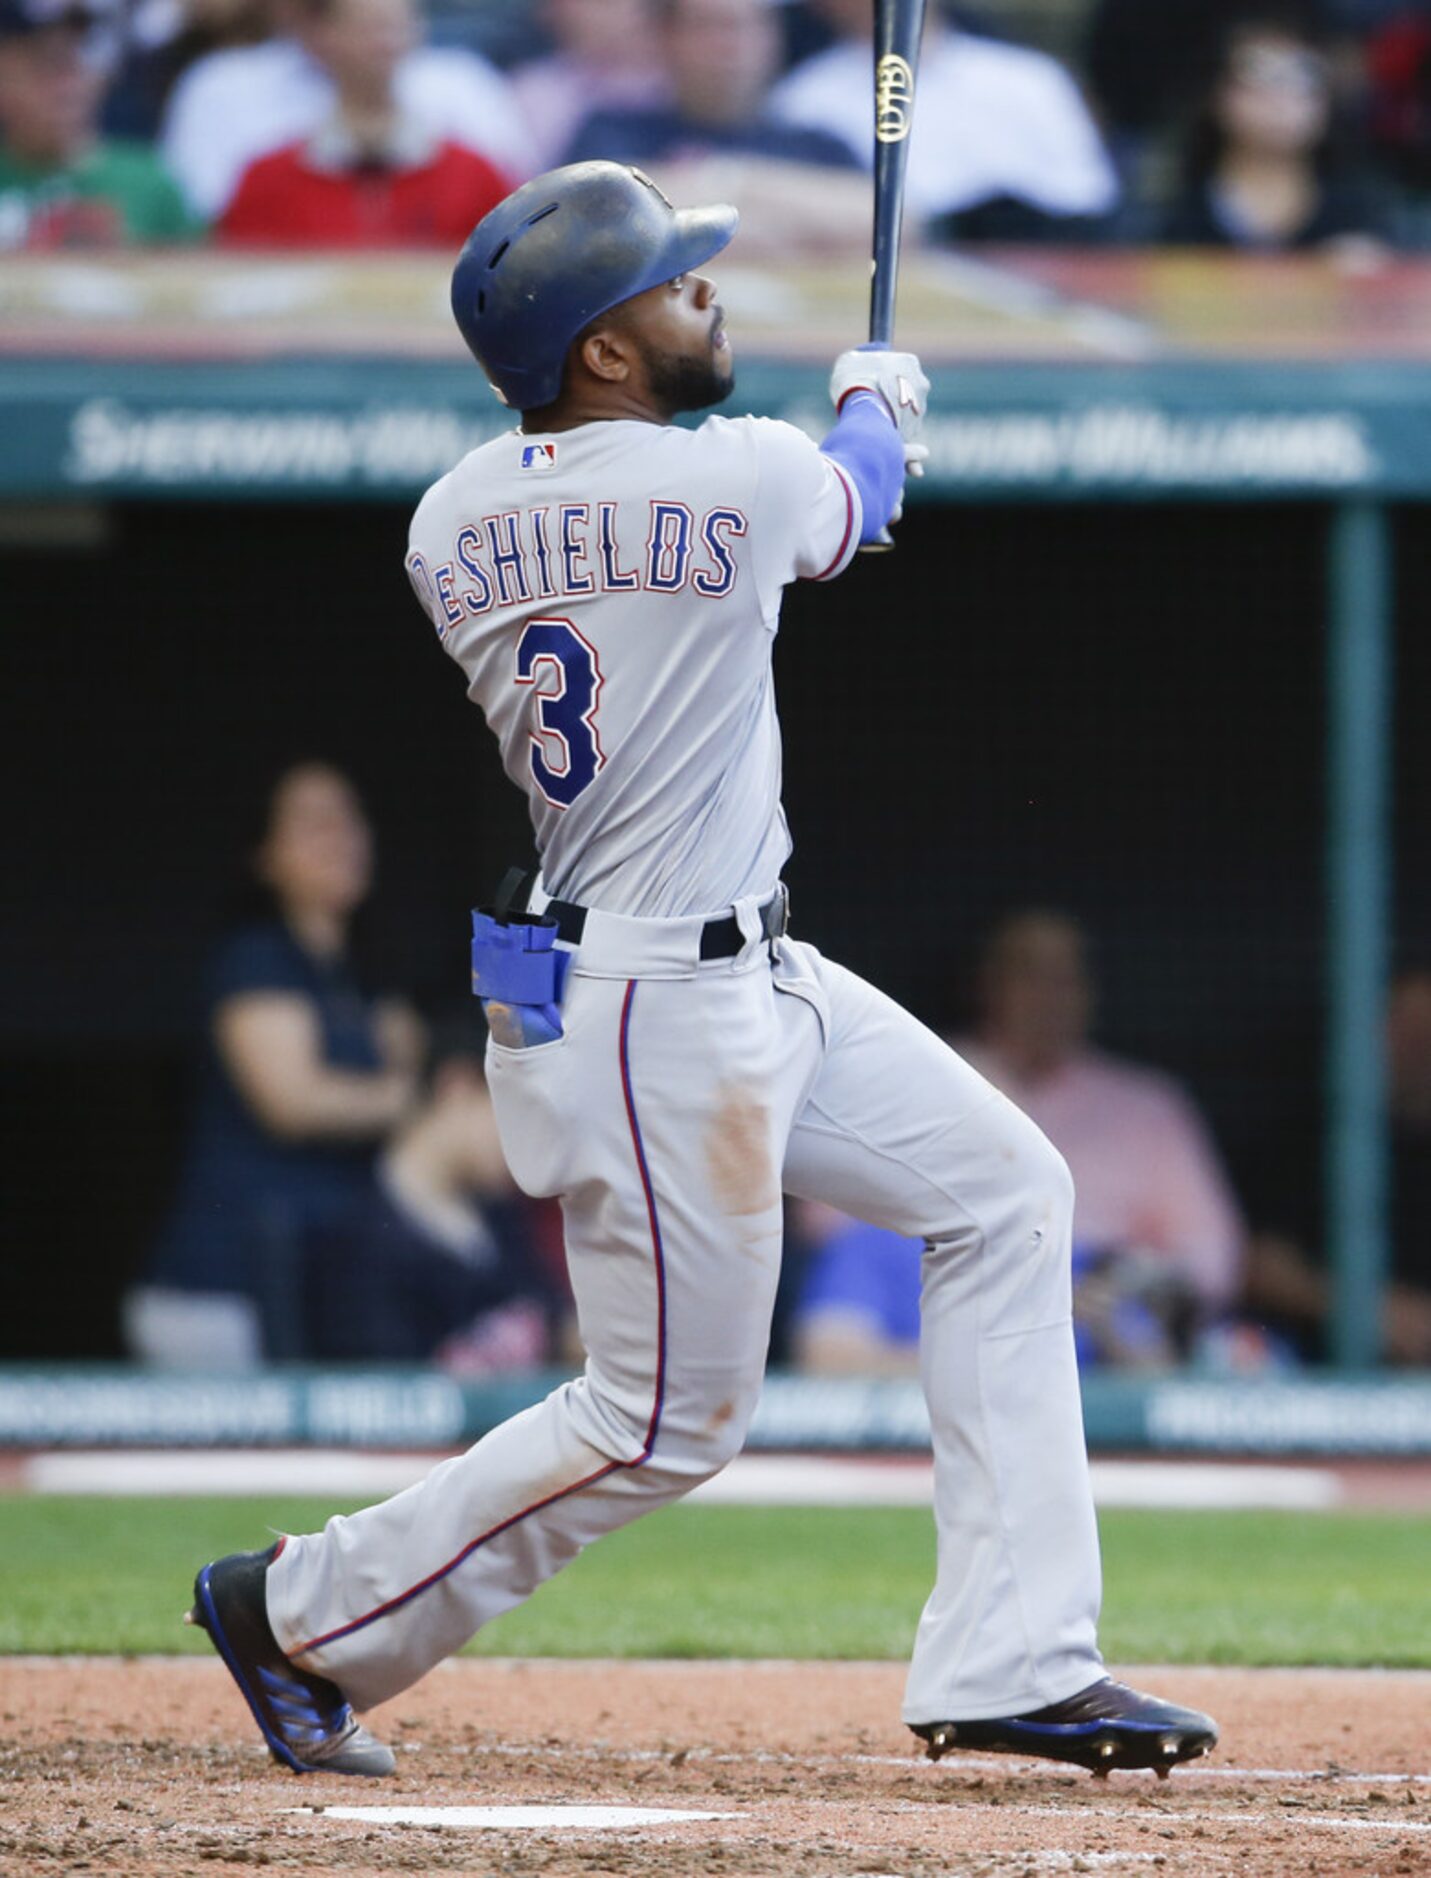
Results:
x,y
1171,1818
1333,1822
514,1818
750,1480
1005,1764
1053,1860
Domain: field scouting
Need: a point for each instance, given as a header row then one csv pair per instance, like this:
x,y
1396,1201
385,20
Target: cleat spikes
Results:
x,y
1103,1727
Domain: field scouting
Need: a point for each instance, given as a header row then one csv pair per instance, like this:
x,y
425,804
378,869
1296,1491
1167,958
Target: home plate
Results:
x,y
512,1818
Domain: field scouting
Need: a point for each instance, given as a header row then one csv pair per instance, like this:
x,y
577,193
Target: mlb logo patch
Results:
x,y
539,456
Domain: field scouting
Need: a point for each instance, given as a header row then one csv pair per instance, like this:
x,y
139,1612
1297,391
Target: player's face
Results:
x,y
1408,1038
1275,95
49,92
1038,998
362,43
722,56
318,849
684,353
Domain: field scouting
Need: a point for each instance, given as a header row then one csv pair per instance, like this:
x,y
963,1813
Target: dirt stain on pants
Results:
x,y
738,1154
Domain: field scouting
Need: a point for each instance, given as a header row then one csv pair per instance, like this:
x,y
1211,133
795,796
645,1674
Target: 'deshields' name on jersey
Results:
x,y
575,548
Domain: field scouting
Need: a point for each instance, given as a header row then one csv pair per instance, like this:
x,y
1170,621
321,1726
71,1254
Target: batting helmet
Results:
x,y
557,252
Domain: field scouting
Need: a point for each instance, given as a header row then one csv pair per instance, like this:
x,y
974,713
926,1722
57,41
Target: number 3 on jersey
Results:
x,y
553,657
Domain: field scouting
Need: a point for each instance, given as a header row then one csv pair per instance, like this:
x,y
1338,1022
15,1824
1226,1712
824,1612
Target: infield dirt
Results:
x,y
152,1766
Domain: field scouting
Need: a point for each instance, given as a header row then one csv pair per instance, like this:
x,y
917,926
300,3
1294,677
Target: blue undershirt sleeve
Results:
x,y
866,445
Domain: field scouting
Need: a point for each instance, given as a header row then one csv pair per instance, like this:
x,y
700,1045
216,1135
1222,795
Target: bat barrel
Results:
x,y
899,25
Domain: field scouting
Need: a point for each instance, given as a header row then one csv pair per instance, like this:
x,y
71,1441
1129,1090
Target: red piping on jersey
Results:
x,y
425,1584
849,519
611,1467
654,1223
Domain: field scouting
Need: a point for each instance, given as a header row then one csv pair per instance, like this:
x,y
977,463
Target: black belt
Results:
x,y
720,938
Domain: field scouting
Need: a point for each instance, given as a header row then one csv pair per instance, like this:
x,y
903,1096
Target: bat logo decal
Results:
x,y
894,98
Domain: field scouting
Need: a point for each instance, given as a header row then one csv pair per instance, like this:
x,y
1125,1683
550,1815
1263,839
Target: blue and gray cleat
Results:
x,y
305,1719
1105,1726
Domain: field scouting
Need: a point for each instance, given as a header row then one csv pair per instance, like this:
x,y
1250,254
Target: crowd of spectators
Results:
x,y
1170,1265
1267,125
343,1196
343,1192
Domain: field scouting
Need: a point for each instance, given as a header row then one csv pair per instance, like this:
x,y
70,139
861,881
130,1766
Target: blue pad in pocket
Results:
x,y
520,975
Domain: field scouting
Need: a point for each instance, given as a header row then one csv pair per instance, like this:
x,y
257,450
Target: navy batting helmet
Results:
x,y
557,252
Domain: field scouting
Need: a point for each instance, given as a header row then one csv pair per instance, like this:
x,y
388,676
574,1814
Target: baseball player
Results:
x,y
664,1056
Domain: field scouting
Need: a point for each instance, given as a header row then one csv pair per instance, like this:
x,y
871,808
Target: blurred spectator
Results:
x,y
1358,18
163,39
1261,168
1003,146
1408,1051
434,1257
302,1075
1146,1178
717,138
604,59
372,175
1399,101
857,1313
1287,1281
1148,65
235,106
1158,1244
62,185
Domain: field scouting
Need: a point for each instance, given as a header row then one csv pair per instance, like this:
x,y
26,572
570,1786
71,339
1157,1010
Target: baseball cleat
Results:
x,y
305,1719
1104,1727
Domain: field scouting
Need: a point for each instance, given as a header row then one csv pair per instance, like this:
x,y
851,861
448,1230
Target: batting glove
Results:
x,y
914,455
895,377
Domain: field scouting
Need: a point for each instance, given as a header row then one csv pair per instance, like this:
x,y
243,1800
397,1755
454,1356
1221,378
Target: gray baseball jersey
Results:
x,y
614,610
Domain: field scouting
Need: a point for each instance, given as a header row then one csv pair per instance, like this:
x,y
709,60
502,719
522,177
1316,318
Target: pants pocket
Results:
x,y
527,1089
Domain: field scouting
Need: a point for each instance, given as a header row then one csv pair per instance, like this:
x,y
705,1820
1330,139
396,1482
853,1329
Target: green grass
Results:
x,y
114,1575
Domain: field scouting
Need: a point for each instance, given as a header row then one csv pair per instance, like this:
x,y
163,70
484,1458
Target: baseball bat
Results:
x,y
898,26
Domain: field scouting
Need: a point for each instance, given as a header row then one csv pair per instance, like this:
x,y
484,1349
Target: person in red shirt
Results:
x,y
372,175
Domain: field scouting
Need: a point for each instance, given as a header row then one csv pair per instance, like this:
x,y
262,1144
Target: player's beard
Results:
x,y
682,383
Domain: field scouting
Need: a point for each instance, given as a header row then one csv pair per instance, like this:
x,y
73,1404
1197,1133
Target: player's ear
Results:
x,y
606,353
